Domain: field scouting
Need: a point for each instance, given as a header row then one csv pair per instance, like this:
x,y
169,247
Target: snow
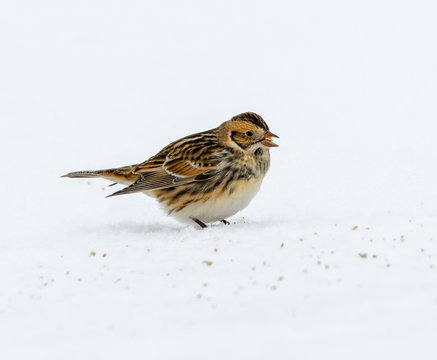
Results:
x,y
334,258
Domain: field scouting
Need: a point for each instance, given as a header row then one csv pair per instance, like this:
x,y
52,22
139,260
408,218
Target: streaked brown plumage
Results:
x,y
203,177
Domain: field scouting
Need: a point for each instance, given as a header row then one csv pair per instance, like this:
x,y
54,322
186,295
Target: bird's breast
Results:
x,y
220,196
218,204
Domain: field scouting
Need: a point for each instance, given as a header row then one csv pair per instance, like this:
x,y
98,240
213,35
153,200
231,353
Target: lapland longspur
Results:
x,y
204,177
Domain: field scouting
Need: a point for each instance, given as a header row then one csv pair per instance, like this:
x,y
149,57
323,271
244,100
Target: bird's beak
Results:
x,y
267,140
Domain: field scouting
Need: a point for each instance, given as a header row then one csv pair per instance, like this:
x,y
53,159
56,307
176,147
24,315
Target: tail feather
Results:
x,y
123,175
84,174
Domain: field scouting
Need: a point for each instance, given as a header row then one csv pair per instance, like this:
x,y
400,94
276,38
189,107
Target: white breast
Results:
x,y
221,206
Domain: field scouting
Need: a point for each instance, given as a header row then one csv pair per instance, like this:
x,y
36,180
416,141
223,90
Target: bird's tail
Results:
x,y
85,174
123,175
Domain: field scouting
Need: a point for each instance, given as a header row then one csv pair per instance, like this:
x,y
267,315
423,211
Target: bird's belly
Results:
x,y
220,204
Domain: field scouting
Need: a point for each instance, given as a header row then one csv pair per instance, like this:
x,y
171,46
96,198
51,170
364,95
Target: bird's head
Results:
x,y
247,131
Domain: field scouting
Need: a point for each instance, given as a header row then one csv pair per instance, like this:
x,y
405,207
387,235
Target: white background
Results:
x,y
351,89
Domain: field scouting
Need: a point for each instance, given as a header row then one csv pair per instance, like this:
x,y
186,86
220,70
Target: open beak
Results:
x,y
267,140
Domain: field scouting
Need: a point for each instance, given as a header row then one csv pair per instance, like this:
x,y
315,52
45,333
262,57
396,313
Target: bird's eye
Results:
x,y
249,133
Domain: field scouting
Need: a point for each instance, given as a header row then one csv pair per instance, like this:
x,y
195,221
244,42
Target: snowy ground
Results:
x,y
336,258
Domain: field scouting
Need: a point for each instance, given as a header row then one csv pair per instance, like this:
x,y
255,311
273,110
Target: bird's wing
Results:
x,y
175,166
180,172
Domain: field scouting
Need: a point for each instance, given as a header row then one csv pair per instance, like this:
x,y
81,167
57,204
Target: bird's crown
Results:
x,y
253,118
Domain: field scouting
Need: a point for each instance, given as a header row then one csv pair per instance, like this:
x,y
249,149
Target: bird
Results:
x,y
202,178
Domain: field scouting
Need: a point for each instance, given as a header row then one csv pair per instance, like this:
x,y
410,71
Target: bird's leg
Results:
x,y
200,223
226,222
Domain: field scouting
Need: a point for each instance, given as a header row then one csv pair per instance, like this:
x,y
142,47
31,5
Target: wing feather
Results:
x,y
194,158
152,181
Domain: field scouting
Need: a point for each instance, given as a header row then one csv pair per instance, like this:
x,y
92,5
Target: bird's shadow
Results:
x,y
161,227
134,227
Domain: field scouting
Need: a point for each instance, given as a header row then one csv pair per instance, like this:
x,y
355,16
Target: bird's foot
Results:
x,y
200,223
226,222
